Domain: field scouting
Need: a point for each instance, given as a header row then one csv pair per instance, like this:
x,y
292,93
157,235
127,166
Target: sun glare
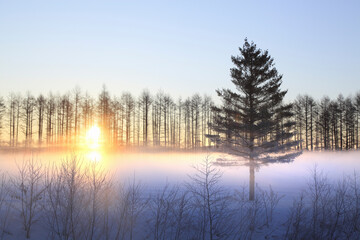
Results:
x,y
94,156
93,137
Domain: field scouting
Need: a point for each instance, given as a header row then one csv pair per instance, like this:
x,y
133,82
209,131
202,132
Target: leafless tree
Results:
x,y
2,111
88,112
170,216
270,201
50,119
66,199
104,112
27,191
77,104
130,205
146,101
40,107
129,104
297,219
14,102
357,106
5,206
97,180
28,105
210,202
195,119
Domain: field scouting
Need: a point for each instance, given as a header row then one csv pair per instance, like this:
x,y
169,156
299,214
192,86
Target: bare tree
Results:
x,y
66,199
297,220
187,126
146,101
50,119
129,105
14,118
357,106
195,120
28,105
40,106
161,219
2,111
5,206
77,105
210,201
130,205
88,112
116,107
170,216
157,118
104,111
27,191
97,179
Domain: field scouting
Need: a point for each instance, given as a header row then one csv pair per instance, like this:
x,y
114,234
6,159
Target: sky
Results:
x,y
179,47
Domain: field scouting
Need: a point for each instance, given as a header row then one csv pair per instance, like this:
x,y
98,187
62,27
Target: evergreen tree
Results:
x,y
253,121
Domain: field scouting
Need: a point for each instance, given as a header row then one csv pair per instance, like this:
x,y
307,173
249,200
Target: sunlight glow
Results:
x,y
93,137
94,156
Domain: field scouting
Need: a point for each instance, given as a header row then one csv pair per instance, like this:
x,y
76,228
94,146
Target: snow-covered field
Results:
x,y
92,195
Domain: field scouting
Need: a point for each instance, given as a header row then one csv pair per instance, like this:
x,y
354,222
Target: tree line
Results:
x,y
327,124
159,120
63,120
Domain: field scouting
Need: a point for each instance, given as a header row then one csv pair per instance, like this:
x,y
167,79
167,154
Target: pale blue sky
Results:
x,y
181,47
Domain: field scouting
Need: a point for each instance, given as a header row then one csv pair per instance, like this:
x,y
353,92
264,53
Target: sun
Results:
x,y
93,137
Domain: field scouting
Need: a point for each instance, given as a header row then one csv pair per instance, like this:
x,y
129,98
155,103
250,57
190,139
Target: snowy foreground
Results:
x,y
80,199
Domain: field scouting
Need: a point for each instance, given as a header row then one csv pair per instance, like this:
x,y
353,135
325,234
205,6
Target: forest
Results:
x,y
160,120
157,119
